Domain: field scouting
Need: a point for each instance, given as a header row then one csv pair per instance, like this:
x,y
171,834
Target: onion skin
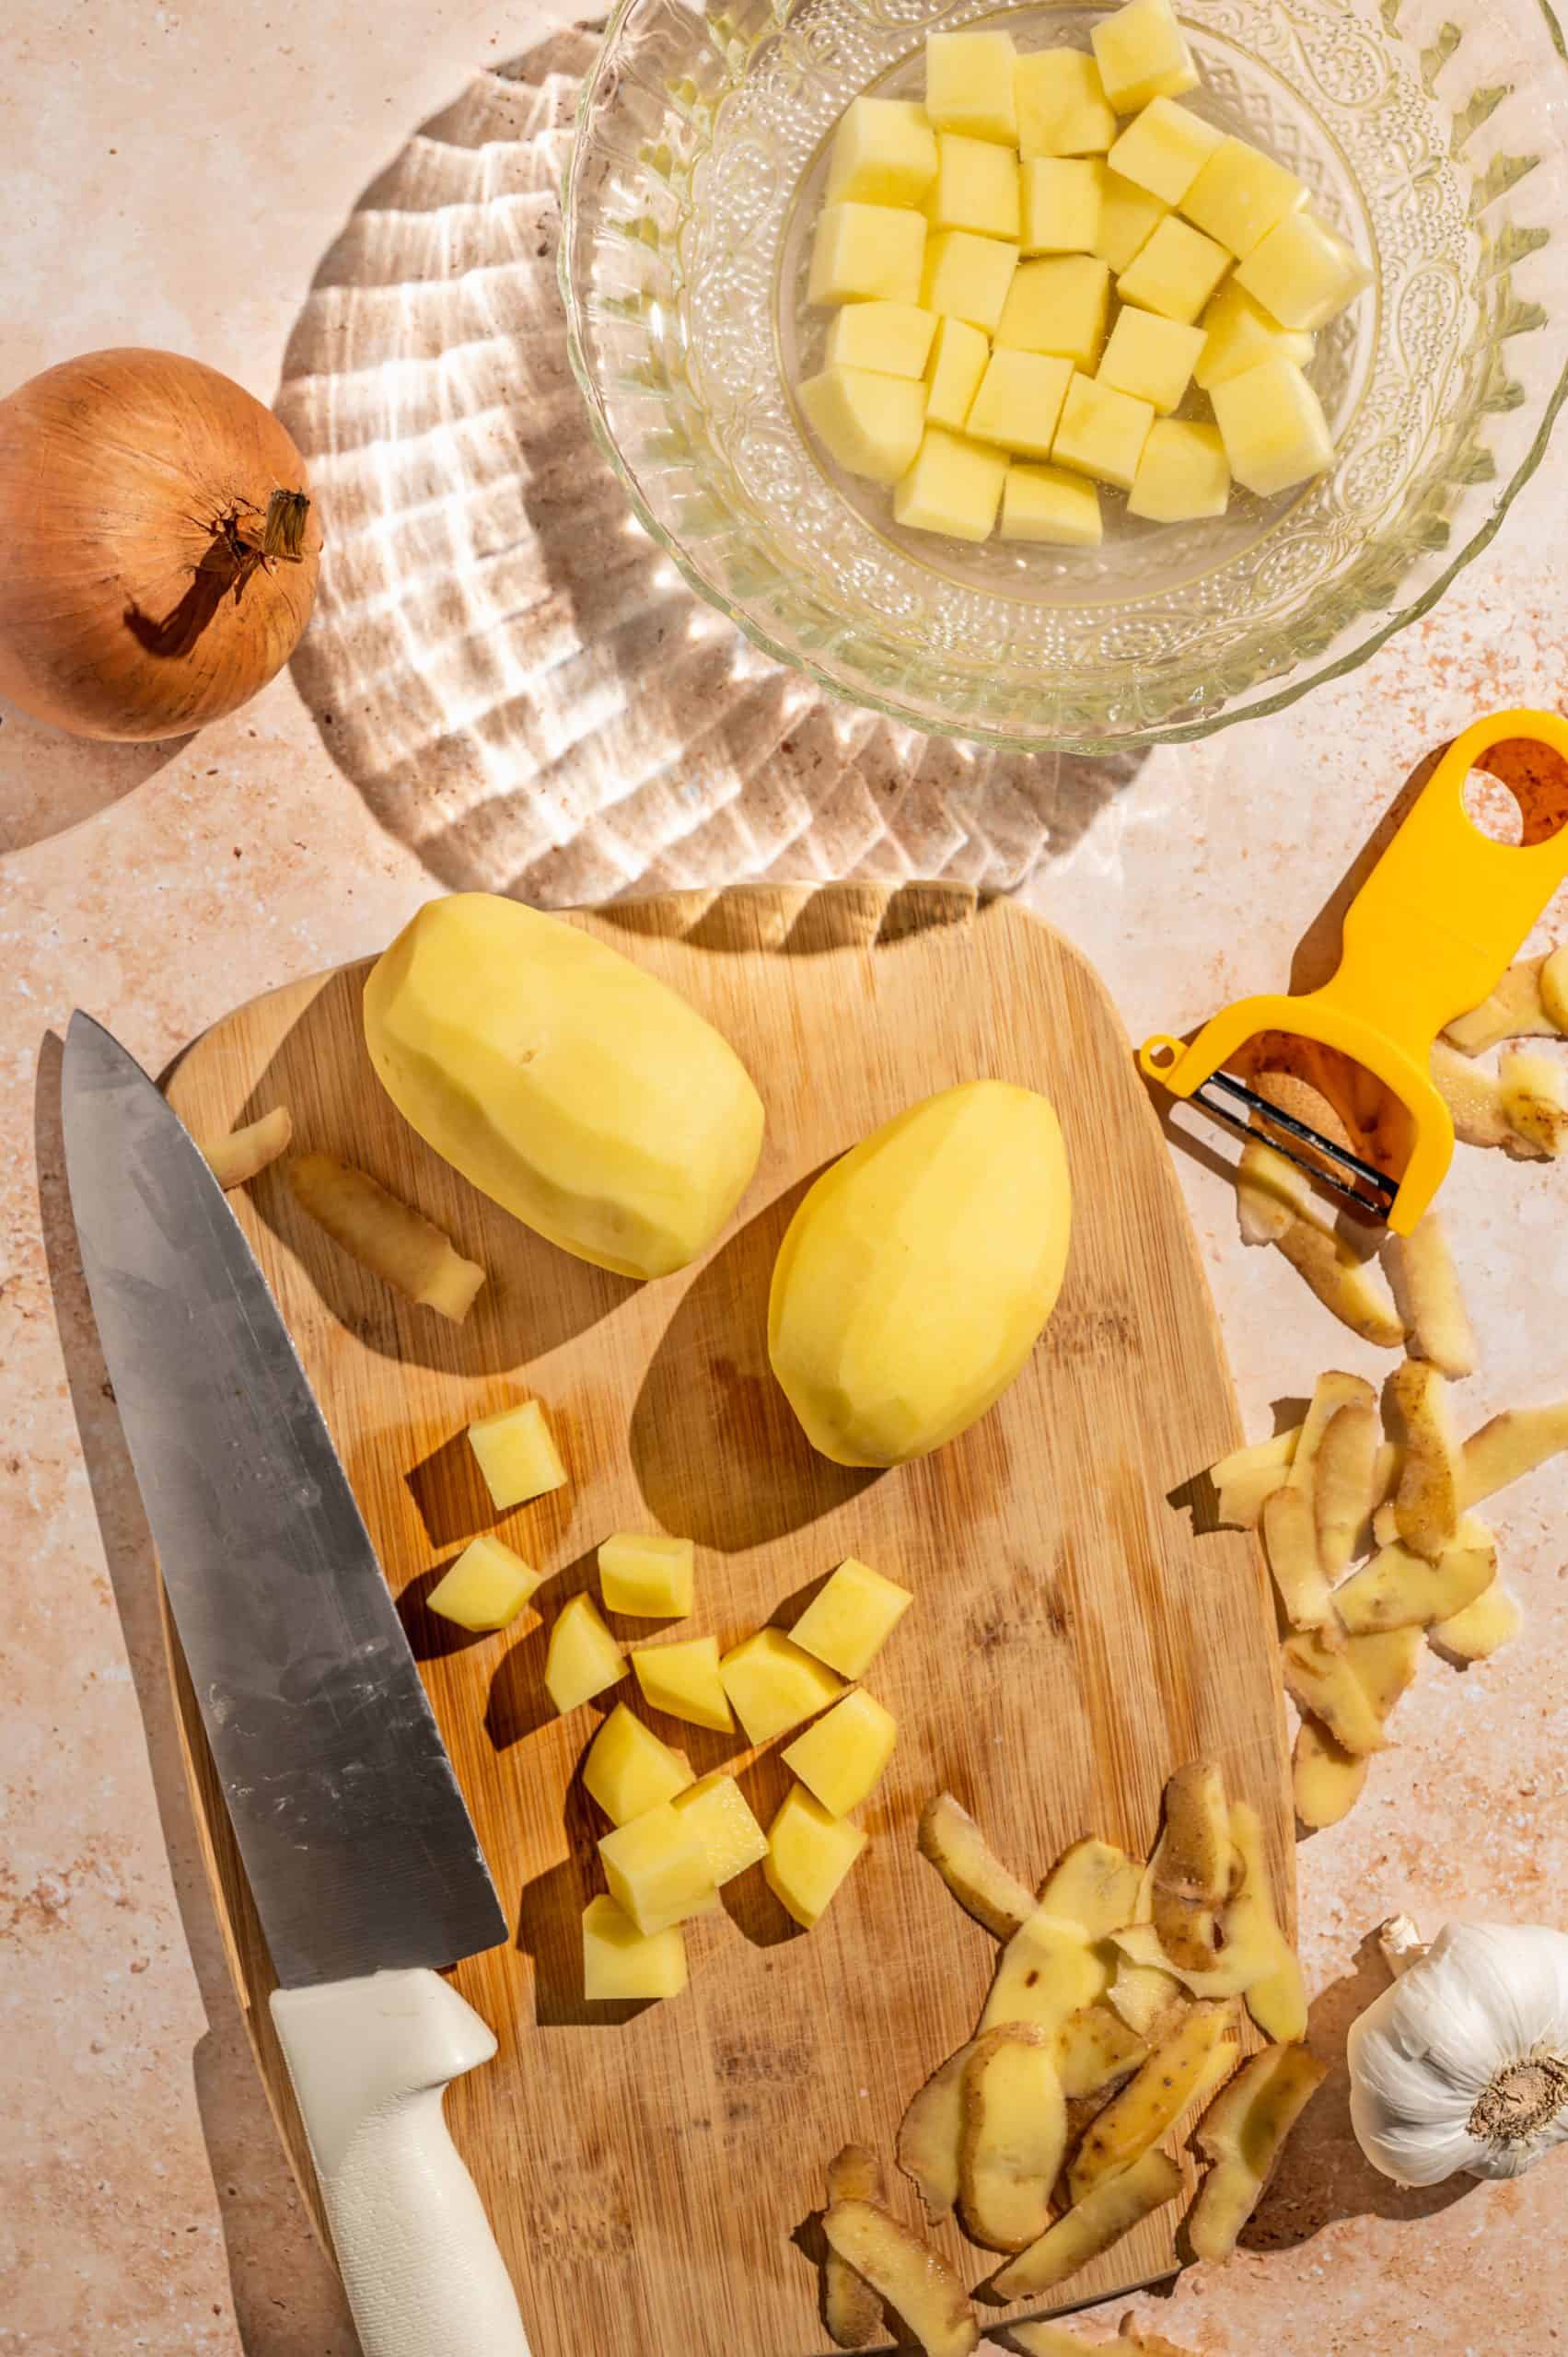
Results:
x,y
135,600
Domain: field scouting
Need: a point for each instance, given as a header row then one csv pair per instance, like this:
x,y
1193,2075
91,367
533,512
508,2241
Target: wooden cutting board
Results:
x,y
653,2178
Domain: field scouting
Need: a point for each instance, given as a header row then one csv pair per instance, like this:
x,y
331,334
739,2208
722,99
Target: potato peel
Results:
x,y
1535,1106
246,1153
394,1242
1094,1883
1244,2134
1343,1283
1014,2136
902,2270
1290,1540
1427,1502
1095,2049
1112,2209
1342,1482
951,1842
1048,1969
1426,1291
1401,1590
1276,1995
850,2308
1327,1781
1153,2099
930,2135
1493,1620
1515,1010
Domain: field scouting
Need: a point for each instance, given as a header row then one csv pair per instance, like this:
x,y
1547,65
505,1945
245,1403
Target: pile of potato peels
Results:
x,y
1111,2023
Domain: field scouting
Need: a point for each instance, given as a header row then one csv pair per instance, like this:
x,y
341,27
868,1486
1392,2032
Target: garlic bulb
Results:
x,y
1463,2064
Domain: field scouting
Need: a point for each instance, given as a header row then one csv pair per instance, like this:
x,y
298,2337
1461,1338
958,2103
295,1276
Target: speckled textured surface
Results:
x,y
143,2201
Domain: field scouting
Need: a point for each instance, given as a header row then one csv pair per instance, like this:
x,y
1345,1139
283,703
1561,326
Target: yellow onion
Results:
x,y
158,548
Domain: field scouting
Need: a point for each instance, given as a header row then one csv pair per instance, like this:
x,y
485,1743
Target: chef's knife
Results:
x,y
359,1851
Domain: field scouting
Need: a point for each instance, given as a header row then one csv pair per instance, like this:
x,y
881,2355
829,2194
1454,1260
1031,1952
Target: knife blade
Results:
x,y
355,1839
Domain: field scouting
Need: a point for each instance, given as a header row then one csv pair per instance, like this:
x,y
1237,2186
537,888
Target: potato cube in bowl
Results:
x,y
1164,149
894,339
1047,505
958,354
867,252
1238,333
871,423
1182,474
970,85
1142,54
1274,431
884,153
976,187
1058,305
1303,272
966,277
1060,205
1175,272
1062,106
1240,194
1129,216
1151,358
1019,400
954,486
1102,432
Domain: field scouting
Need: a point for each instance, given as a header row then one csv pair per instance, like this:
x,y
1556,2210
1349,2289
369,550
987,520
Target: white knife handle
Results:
x,y
370,2060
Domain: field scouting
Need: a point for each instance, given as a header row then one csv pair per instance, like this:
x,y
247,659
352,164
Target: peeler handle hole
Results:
x,y
1517,792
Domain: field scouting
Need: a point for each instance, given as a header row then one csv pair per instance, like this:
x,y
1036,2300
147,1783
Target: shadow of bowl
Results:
x,y
511,672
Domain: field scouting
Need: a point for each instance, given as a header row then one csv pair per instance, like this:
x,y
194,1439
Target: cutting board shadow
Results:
x,y
653,2172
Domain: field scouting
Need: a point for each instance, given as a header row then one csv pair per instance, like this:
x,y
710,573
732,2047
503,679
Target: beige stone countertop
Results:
x,y
175,176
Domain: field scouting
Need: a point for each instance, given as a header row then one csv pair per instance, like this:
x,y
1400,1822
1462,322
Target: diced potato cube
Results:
x,y
968,84
842,1756
1128,219
1164,149
1275,430
645,1574
871,425
1102,432
1062,109
954,486
1181,475
1175,272
884,153
958,354
1059,305
976,187
1142,54
582,1657
810,1852
865,253
1240,195
968,277
628,1771
1061,207
684,1680
620,1962
1240,334
894,339
731,1838
1303,272
486,1587
657,1869
1151,358
516,1453
1044,504
847,1622
772,1684
1019,400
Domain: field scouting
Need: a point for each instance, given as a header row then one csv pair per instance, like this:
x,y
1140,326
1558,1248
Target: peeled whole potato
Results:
x,y
915,1278
588,1098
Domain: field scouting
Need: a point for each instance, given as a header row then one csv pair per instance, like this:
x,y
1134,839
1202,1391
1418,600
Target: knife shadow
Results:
x,y
285,2292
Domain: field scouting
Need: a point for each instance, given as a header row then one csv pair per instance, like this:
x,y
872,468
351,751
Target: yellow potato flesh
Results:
x,y
916,1276
562,1080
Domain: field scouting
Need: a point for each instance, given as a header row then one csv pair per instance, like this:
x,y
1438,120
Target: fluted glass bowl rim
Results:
x,y
1277,699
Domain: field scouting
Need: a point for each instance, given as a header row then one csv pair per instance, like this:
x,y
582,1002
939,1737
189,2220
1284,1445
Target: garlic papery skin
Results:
x,y
1463,2064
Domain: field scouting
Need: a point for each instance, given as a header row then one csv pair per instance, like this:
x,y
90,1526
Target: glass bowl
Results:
x,y
1431,133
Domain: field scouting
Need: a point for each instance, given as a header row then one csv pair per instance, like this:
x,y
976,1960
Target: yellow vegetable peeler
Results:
x,y
1430,934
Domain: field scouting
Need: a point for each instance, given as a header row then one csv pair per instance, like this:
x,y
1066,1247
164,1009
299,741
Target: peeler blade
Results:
x,y
1364,1186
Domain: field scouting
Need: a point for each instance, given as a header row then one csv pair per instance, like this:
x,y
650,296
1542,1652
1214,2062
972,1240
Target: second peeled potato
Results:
x,y
916,1276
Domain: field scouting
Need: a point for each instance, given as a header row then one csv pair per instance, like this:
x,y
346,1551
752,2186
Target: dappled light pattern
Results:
x,y
507,667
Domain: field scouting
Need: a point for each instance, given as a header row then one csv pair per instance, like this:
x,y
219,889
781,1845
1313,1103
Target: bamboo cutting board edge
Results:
x,y
827,950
